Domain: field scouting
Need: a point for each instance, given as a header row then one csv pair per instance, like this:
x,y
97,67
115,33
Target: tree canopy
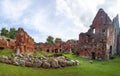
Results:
x,y
58,40
12,33
4,32
8,33
50,40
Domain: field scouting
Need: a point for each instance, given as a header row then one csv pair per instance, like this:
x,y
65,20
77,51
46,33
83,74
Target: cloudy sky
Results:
x,y
59,18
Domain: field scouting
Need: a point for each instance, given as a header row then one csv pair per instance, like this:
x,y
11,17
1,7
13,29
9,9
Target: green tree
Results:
x,y
71,40
58,40
4,32
12,33
50,40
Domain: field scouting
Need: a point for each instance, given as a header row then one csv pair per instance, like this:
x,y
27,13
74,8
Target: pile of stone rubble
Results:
x,y
38,62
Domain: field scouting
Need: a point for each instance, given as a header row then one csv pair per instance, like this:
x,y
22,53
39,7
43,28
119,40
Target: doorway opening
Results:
x,y
110,52
93,55
48,50
56,50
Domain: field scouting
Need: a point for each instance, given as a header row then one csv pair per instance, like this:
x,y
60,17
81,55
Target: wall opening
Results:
x,y
110,52
60,50
56,50
48,50
93,55
94,31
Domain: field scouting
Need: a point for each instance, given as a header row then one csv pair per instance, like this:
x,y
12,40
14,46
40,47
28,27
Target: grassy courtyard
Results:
x,y
98,68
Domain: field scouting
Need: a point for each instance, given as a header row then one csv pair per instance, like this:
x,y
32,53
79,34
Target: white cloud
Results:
x,y
12,9
65,19
113,8
36,20
77,10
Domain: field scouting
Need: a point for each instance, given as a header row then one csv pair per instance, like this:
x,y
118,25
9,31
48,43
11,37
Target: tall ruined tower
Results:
x,y
100,22
117,30
101,39
24,43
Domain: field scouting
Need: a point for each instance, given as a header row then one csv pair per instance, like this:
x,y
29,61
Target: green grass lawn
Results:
x,y
98,68
6,52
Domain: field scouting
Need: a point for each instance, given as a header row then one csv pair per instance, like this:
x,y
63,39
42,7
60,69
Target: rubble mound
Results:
x,y
39,61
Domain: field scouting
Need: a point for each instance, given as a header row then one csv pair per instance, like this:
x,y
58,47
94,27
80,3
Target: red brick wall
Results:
x,y
24,42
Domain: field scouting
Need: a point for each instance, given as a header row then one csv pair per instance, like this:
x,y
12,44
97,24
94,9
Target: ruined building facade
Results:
x,y
66,47
101,40
7,43
24,43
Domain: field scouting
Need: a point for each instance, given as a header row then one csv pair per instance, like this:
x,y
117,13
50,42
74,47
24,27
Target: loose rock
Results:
x,y
62,63
54,63
46,65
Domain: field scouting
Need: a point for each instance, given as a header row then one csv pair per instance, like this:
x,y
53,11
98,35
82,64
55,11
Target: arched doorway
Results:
x,y
93,55
110,52
56,50
60,50
48,50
